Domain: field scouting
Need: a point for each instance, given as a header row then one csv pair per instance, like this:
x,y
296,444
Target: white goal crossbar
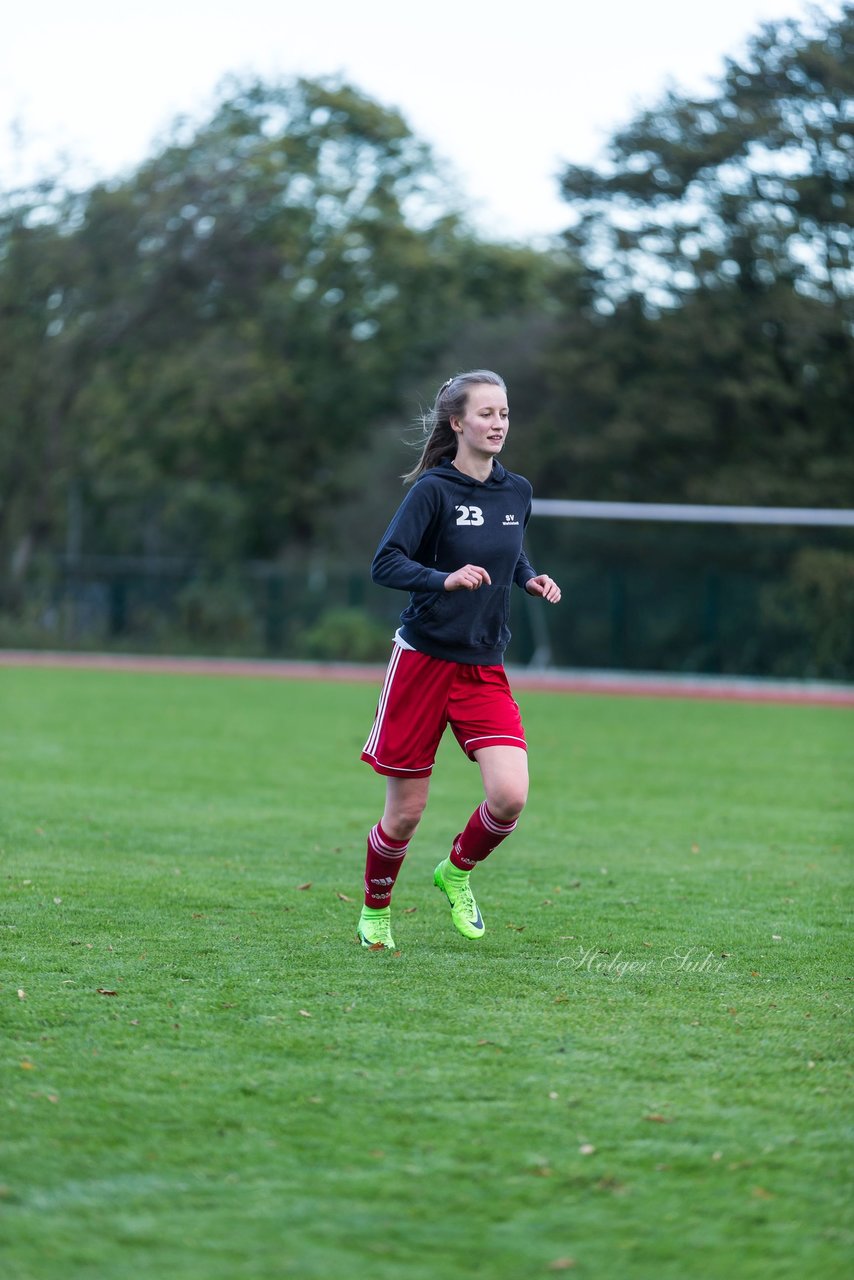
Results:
x,y
832,517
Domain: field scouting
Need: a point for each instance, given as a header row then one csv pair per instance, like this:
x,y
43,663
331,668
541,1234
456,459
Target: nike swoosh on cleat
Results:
x,y
478,921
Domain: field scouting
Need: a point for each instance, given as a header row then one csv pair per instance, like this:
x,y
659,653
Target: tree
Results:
x,y
751,186
35,261
705,353
220,331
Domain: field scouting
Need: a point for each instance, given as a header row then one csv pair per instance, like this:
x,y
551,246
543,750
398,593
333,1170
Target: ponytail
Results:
x,y
439,437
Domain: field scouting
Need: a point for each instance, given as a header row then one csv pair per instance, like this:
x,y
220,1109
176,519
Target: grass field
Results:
x,y
643,1070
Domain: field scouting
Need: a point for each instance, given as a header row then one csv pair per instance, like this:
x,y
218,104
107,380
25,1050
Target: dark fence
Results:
x,y
644,597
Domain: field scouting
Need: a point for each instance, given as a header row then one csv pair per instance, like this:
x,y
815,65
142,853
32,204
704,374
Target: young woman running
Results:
x,y
455,544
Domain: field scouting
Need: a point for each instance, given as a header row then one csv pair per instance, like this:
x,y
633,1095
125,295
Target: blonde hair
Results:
x,y
439,439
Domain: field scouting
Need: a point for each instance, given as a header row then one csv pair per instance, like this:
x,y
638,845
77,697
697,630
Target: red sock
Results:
x,y
384,860
481,836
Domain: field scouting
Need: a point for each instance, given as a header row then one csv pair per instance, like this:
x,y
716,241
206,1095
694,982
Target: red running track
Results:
x,y
611,683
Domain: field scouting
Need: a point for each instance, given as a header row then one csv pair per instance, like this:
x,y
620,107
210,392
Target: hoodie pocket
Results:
x,y
425,606
474,620
494,631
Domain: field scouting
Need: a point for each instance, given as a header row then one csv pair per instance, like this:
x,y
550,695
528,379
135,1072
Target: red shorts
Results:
x,y
422,695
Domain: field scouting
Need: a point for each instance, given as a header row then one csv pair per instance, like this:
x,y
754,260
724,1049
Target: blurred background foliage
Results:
x,y
209,369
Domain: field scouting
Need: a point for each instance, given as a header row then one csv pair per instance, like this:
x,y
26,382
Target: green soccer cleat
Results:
x,y
374,929
455,885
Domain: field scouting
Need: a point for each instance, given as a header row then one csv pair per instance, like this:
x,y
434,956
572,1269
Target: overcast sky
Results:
x,y
505,93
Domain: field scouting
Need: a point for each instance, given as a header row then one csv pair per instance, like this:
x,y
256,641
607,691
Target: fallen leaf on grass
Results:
x,y
659,1119
542,1171
22,995
408,911
307,885
561,1264
27,1065
520,928
304,1013
343,897
759,1193
586,1149
613,1185
105,991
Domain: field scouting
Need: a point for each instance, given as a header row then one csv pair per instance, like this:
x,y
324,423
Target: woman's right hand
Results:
x,y
469,578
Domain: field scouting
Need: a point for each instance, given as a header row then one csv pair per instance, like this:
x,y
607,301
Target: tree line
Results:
x,y
218,355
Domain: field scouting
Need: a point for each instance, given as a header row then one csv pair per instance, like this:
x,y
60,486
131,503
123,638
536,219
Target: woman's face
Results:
x,y
484,425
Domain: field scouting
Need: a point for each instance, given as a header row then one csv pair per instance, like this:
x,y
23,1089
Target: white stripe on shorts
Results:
x,y
373,737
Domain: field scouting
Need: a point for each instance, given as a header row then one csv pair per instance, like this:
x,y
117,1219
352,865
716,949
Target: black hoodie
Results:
x,y
449,519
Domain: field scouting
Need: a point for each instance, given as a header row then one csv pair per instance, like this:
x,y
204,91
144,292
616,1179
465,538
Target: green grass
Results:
x,y
262,1098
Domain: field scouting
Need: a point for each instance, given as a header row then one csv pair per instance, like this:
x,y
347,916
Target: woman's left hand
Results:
x,y
544,586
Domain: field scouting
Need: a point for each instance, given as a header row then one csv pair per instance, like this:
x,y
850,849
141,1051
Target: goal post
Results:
x,y
696,513
745,590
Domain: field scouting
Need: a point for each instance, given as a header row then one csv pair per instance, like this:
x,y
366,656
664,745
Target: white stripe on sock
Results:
x,y
379,845
497,828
